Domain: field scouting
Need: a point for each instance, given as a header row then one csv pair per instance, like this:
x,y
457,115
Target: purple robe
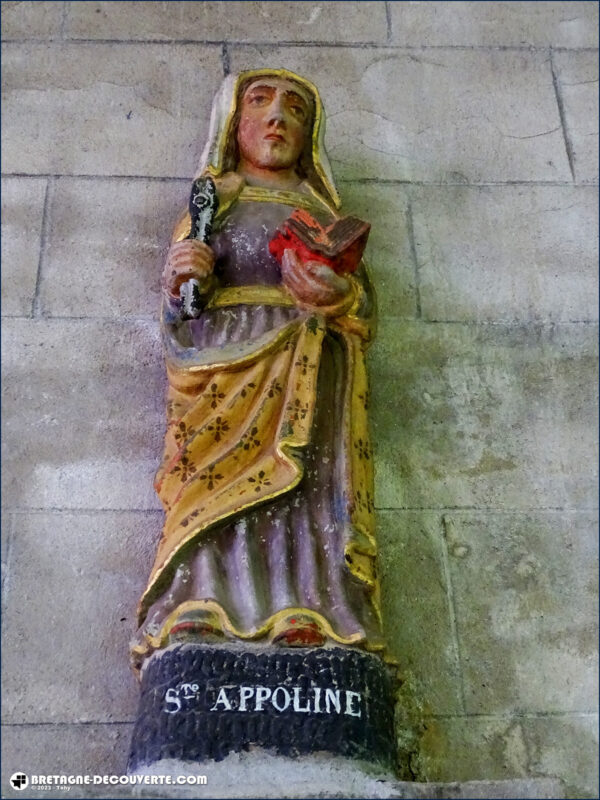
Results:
x,y
289,552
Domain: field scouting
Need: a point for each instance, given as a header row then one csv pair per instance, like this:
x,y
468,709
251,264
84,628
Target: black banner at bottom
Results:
x,y
200,703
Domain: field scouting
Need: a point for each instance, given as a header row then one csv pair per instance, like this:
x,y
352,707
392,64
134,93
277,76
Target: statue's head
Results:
x,y
273,119
274,123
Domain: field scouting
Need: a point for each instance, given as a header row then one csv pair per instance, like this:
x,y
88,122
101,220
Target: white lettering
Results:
x,y
317,700
333,696
222,698
154,780
349,699
172,697
276,703
262,694
297,706
246,693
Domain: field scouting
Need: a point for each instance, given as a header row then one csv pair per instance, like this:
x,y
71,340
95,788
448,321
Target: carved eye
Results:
x,y
258,99
298,111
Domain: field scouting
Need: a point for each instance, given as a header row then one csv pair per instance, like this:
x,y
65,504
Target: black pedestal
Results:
x,y
200,703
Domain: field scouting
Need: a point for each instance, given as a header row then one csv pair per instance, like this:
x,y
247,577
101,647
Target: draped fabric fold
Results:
x,y
236,434
232,434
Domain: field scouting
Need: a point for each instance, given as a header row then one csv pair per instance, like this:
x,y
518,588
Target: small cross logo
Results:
x,y
19,781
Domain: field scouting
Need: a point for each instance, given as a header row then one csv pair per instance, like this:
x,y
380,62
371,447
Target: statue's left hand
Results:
x,y
313,282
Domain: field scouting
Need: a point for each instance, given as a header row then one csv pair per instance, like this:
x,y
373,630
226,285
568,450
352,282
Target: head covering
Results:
x,y
215,157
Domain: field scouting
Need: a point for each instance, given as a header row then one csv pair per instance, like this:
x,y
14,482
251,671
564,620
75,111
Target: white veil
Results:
x,y
213,159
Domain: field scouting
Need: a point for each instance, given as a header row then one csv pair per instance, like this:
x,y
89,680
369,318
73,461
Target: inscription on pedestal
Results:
x,y
317,700
200,703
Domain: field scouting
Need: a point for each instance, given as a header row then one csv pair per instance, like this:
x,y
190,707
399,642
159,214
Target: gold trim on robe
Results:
x,y
235,434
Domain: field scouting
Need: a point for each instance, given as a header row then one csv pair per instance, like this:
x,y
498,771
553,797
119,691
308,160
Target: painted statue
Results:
x,y
266,478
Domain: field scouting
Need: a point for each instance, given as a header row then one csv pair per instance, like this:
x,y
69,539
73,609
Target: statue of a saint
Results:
x,y
266,479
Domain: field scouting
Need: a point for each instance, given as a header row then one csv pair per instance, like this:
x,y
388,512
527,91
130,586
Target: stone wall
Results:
x,y
467,132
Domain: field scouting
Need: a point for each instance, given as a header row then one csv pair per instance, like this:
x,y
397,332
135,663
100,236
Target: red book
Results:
x,y
339,245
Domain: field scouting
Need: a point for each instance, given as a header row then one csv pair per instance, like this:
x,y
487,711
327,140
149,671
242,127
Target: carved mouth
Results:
x,y
275,137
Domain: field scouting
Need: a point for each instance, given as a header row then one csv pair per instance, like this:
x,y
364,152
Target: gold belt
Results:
x,y
253,295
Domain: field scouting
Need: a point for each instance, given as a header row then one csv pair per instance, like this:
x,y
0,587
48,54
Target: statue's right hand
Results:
x,y
187,259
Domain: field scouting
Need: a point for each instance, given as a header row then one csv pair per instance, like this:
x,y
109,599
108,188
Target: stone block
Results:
x,y
470,748
262,774
63,750
526,595
507,253
32,20
519,24
415,610
578,85
486,416
449,116
106,109
238,21
388,251
99,750
107,246
22,216
473,748
71,613
83,413
566,746
271,777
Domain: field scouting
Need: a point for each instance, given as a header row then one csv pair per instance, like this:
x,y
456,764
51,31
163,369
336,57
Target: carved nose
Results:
x,y
277,114
277,118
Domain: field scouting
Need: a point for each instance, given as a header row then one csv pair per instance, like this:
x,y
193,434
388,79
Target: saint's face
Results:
x,y
274,121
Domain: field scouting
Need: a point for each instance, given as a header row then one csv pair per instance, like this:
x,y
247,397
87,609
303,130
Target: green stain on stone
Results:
x,y
489,463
